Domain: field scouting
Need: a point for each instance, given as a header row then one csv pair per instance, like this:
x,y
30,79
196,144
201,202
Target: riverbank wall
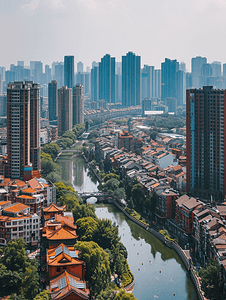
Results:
x,y
171,245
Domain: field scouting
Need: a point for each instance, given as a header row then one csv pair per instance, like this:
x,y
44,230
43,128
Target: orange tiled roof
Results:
x,y
34,184
3,202
17,207
5,181
25,197
8,219
68,289
176,168
17,182
64,257
61,234
29,190
53,208
156,184
67,220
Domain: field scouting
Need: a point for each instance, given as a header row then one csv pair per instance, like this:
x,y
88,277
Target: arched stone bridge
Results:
x,y
99,195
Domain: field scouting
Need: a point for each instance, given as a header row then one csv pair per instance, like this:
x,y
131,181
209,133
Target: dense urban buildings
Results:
x,y
206,143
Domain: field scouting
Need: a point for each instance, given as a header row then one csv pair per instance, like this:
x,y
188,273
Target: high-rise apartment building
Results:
x,y
131,71
23,145
107,79
173,82
216,68
53,100
95,83
35,150
158,83
36,68
58,73
206,142
148,82
69,71
78,105
64,110
79,67
1,84
169,70
196,67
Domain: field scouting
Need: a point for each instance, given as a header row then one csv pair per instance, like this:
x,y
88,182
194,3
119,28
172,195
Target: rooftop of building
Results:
x,y
67,284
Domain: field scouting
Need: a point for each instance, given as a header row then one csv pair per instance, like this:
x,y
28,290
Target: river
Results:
x,y
159,273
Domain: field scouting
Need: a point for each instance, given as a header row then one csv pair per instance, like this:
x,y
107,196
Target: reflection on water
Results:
x,y
158,270
77,173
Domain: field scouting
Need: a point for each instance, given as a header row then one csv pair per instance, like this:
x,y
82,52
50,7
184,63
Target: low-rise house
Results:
x,y
166,205
184,212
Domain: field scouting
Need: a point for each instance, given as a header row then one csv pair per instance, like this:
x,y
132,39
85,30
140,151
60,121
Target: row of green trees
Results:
x,y
70,136
130,190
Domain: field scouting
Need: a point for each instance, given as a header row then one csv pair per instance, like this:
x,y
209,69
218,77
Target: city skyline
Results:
x,y
148,37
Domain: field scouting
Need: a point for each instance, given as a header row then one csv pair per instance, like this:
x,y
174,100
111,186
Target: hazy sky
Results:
x,y
47,30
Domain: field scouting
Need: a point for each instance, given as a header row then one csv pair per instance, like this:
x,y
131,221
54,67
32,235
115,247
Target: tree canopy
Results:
x,y
52,149
212,283
122,295
18,273
84,210
97,265
86,228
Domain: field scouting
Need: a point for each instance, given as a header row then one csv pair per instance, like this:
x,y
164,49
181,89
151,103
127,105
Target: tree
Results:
x,y
111,185
68,199
65,142
48,166
106,235
53,177
46,156
30,283
62,190
212,282
52,149
93,134
44,295
11,281
78,129
17,297
14,255
122,295
97,265
110,176
83,210
108,293
119,193
18,273
86,228
69,134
